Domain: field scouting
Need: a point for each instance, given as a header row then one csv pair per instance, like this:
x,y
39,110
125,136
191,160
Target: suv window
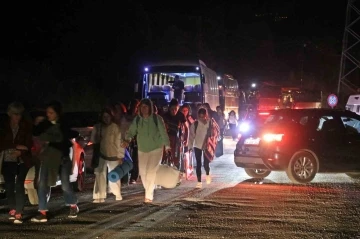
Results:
x,y
273,119
352,126
322,120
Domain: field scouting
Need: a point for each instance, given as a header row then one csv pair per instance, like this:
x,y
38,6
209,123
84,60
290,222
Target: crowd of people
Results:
x,y
139,128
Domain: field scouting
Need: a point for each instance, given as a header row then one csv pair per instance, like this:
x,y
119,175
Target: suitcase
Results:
x,y
121,170
167,176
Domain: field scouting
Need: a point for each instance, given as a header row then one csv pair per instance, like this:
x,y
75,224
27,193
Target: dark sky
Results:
x,y
101,39
32,25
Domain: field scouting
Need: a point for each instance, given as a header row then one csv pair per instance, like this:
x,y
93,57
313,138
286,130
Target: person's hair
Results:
x,y
174,102
186,105
232,112
106,110
207,106
202,111
132,107
15,108
56,106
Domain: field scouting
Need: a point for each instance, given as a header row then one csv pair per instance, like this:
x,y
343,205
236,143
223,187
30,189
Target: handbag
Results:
x,y
122,169
7,158
167,176
96,152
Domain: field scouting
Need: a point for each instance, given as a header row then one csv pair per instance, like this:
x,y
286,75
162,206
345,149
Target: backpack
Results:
x,y
154,118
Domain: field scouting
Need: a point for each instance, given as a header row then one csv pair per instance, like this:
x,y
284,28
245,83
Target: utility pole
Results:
x,y
349,61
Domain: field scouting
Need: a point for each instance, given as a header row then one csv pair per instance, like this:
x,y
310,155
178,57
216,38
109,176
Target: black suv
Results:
x,y
309,141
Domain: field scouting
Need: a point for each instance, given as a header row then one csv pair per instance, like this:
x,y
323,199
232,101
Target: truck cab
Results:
x,y
353,104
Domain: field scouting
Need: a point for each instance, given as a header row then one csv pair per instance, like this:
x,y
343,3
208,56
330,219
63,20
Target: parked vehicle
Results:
x,y
83,122
306,142
229,94
200,82
353,104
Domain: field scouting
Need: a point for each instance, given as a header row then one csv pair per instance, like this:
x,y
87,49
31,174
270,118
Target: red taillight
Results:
x,y
264,113
272,137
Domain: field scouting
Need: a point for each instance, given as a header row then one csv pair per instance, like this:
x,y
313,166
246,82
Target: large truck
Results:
x,y
297,98
200,82
229,94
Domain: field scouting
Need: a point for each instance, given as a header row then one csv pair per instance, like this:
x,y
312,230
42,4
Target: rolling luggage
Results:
x,y
167,176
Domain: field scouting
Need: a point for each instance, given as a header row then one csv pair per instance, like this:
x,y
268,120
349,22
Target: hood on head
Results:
x,y
147,102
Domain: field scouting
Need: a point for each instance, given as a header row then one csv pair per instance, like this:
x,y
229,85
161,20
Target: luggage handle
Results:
x,y
168,156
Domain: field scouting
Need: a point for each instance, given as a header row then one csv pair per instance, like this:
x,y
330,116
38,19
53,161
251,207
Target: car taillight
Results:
x,y
264,113
272,137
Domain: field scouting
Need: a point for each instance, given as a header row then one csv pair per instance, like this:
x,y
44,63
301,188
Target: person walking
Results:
x,y
110,156
204,133
151,135
55,155
15,148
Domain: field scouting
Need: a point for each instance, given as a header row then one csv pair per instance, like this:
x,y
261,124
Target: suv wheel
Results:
x,y
302,167
257,173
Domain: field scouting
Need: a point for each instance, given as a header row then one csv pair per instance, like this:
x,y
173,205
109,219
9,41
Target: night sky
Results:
x,y
51,46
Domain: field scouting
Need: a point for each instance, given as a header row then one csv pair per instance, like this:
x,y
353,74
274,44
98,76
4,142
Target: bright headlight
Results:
x,y
244,127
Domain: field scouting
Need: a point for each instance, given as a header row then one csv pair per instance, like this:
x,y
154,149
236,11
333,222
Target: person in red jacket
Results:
x,y
15,148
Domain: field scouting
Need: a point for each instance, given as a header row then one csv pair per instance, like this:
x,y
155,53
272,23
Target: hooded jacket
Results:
x,y
149,135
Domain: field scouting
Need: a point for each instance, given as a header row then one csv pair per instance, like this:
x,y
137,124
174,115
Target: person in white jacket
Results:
x,y
111,155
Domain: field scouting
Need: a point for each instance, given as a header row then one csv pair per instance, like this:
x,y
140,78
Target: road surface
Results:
x,y
232,206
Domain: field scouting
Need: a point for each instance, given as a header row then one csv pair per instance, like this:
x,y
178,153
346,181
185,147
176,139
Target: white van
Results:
x,y
353,104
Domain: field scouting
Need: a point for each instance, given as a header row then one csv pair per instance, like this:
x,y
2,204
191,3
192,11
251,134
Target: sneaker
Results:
x,y
118,198
199,185
39,218
12,214
147,200
74,210
132,181
18,219
208,179
158,187
99,200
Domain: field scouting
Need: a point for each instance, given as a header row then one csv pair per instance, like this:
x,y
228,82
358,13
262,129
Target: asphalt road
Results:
x,y
232,206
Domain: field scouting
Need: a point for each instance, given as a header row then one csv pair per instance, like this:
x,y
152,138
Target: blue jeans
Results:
x,y
44,190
